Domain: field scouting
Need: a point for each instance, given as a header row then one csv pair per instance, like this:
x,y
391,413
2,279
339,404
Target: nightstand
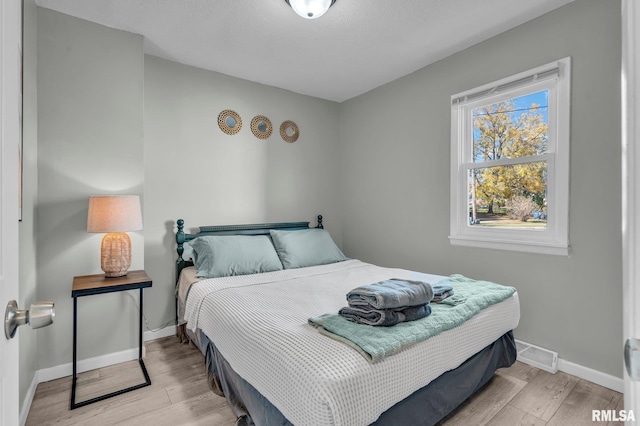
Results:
x,y
89,285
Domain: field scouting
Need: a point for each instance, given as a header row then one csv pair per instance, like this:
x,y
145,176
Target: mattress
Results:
x,y
259,324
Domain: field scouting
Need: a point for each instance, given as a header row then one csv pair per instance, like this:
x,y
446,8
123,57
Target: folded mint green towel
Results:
x,y
376,343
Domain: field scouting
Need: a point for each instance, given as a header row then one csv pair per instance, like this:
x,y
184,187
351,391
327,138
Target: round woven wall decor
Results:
x,y
261,127
289,131
229,122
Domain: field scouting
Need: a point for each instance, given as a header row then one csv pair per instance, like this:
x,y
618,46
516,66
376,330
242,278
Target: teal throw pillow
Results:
x,y
308,247
228,255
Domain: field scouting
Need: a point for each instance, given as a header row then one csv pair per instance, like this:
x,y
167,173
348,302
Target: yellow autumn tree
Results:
x,y
503,131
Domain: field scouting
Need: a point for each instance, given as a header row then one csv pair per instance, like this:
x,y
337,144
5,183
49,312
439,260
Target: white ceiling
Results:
x,y
356,46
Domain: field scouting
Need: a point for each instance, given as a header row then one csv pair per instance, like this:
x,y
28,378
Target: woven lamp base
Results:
x,y
115,254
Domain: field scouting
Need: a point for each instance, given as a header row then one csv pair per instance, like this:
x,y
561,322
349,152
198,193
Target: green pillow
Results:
x,y
307,247
228,255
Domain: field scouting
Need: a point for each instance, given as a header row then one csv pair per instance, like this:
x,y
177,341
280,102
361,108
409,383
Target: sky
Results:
x,y
523,105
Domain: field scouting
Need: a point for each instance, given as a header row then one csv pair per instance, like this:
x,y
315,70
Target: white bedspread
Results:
x,y
259,324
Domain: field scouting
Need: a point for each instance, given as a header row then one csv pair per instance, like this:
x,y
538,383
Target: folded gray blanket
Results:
x,y
441,291
391,294
385,317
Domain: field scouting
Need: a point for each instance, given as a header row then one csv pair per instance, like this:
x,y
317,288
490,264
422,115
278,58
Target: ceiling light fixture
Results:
x,y
310,9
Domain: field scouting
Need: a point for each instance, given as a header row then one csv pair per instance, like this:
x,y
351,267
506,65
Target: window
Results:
x,y
510,162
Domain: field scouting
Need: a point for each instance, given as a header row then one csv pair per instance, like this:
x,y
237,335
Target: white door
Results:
x,y
631,189
10,106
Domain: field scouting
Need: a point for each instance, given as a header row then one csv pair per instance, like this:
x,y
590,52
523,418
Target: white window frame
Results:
x,y
554,239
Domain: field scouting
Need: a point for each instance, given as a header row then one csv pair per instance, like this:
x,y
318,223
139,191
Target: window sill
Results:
x,y
522,246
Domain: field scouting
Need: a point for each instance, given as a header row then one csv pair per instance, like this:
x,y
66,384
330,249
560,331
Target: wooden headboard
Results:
x,y
250,229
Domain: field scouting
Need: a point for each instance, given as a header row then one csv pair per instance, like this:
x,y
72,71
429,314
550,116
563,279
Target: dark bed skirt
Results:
x,y
425,406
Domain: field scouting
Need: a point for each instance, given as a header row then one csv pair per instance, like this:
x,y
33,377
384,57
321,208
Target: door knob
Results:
x,y
40,314
632,358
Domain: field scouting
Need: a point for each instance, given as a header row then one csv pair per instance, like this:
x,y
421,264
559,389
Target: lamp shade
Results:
x,y
310,9
114,213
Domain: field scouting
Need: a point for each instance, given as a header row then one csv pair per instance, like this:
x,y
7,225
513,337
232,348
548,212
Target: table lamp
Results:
x,y
115,215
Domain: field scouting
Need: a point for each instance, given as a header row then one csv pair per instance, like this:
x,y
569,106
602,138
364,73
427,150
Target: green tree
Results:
x,y
502,131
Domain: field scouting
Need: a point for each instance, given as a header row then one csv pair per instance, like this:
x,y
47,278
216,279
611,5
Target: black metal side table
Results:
x,y
88,285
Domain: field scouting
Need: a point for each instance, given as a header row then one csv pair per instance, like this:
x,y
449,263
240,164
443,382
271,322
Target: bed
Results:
x,y
275,368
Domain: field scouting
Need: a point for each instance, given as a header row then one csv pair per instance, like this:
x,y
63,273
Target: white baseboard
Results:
x,y
64,370
580,371
28,399
594,376
163,332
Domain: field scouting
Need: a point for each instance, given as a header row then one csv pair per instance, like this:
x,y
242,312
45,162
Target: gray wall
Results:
x,y
377,167
90,122
196,172
396,163
90,104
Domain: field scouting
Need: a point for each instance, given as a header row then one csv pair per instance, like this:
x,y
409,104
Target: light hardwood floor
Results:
x,y
179,395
